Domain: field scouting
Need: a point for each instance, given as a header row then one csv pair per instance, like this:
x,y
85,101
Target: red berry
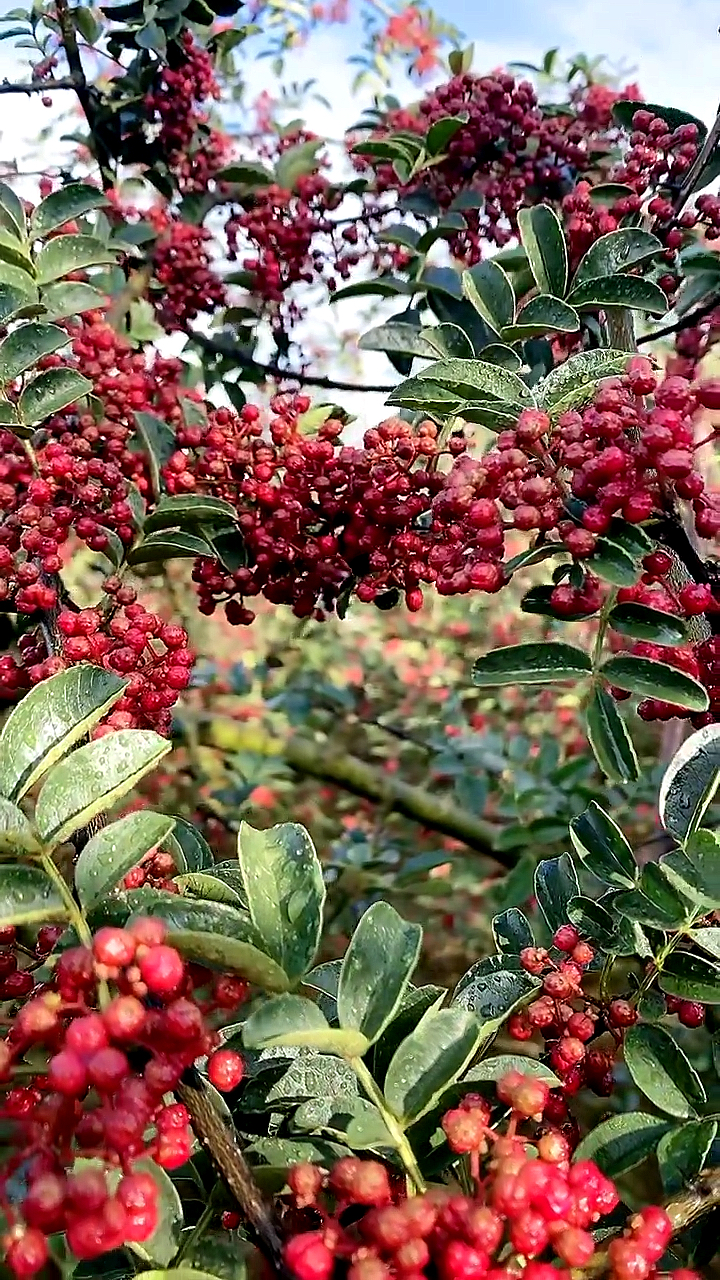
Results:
x,y
114,947
308,1258
67,1074
27,1253
225,1070
162,970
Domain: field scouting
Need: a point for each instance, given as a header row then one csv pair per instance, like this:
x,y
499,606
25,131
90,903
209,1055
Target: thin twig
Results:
x,y
39,86
87,94
226,347
698,165
687,322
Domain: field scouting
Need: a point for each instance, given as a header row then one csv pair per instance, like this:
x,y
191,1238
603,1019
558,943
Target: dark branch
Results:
x,y
687,322
697,166
87,94
40,86
226,347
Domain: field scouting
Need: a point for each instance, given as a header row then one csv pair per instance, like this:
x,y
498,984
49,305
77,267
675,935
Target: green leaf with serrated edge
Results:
x,y
691,977
170,544
623,1142
28,897
296,162
655,902
185,509
708,939
71,298
619,291
542,314
15,253
643,623
449,340
376,970
244,173
65,254
572,384
498,353
592,921
493,996
49,392
285,893
542,663
489,290
112,852
698,867
416,1001
614,564
15,278
12,300
601,845
93,778
616,252
652,679
542,237
555,884
432,1057
8,416
63,206
441,132
489,379
512,932
406,339
208,888
219,937
682,1154
499,1066
193,846
609,738
294,1020
662,1071
314,1075
49,720
159,441
25,346
690,782
352,1120
12,213
17,835
630,939
363,288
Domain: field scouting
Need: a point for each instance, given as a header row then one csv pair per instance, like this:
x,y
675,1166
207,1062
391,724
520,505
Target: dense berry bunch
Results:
x,y
528,1201
188,282
122,1052
192,150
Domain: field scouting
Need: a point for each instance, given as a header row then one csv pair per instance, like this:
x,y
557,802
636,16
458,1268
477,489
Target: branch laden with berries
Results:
x,y
396,1138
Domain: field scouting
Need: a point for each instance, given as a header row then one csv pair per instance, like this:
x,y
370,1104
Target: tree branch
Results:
x,y
698,165
226,347
86,93
699,1199
687,322
39,86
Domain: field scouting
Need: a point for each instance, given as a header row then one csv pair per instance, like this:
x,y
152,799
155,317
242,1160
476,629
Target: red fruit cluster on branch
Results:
x,y
528,1201
182,267
192,150
154,1010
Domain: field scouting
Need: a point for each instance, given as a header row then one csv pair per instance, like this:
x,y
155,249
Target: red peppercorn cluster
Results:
x,y
691,1013
527,1201
193,151
90,1101
182,267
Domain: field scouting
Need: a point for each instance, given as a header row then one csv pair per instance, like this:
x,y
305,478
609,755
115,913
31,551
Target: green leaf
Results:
x,y
12,300
314,1075
112,852
476,376
614,564
691,978
245,174
208,888
384,288
49,392
49,720
624,111
179,1273
572,385
651,679
489,290
690,782
222,1254
93,778
164,1242
492,996
294,1020
662,1071
698,869
296,163
642,623
512,931
26,345
28,897
220,937
623,1142
67,253
682,1153
194,847
376,970
555,884
449,340
618,251
65,205
542,314
285,893
12,213
619,291
168,544
432,1057
592,921
498,353
86,23
499,1066
188,509
441,132
601,845
542,237
396,336
16,833
15,254
609,738
534,663
159,441
655,902
708,939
